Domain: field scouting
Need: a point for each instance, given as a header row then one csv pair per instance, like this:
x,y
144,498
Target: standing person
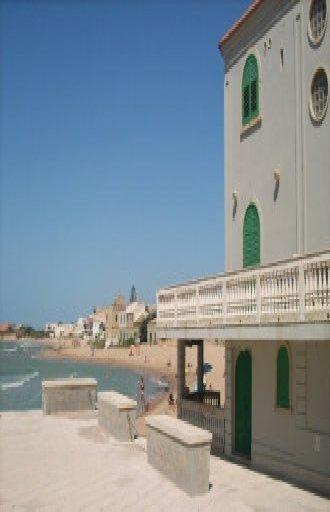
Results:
x,y
142,397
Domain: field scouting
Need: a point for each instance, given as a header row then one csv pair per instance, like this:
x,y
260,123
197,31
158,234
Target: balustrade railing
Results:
x,y
207,397
293,290
207,417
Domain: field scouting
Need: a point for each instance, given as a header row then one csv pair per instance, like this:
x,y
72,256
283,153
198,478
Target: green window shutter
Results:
x,y
251,237
283,379
250,90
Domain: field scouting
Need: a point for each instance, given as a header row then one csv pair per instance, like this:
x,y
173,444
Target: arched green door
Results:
x,y
243,403
251,237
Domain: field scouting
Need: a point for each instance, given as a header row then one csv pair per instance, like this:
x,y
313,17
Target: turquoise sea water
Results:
x,y
21,373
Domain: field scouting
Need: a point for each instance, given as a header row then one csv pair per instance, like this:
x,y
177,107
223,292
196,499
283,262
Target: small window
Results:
x,y
319,95
283,379
250,90
317,20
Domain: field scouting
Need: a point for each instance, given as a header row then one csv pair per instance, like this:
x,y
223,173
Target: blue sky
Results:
x,y
111,150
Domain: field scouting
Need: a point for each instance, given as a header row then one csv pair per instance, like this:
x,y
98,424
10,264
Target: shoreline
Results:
x,y
157,404
101,359
159,361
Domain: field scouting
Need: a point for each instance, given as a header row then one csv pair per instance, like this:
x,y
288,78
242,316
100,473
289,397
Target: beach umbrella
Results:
x,y
207,368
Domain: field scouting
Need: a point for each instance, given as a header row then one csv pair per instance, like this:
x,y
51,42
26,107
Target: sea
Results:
x,y
22,371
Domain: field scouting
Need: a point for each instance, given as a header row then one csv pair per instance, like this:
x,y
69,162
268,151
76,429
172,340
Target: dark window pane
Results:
x,y
246,103
254,99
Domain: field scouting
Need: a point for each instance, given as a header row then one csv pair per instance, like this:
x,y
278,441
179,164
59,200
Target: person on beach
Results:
x,y
142,397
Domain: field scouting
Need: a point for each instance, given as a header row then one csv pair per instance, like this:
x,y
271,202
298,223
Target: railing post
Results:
x,y
301,289
224,301
197,305
258,297
175,310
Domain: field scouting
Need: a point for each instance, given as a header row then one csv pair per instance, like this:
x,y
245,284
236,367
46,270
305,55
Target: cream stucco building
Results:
x,y
112,320
272,306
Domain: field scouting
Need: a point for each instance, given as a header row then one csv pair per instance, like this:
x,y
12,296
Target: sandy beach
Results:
x,y
156,359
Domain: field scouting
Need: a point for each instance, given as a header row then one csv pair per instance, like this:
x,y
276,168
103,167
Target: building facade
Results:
x,y
276,153
272,306
130,322
277,173
152,332
112,320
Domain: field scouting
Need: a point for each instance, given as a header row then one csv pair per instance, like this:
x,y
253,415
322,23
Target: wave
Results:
x,y
10,349
18,383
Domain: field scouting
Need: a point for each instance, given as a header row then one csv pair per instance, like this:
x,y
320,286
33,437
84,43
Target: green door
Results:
x,y
243,403
251,237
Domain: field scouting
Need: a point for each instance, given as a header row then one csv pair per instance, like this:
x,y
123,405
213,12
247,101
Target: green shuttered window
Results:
x,y
283,379
251,237
250,90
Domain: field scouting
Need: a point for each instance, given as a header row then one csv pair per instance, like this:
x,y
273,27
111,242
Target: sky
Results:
x,y
111,150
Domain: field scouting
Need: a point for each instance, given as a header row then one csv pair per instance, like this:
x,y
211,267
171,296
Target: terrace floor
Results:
x,y
62,463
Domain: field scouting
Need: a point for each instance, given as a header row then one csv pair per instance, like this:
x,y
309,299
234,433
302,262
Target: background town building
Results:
x,y
112,320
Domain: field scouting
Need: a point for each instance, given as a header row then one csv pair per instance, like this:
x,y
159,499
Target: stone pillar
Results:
x,y
63,395
228,398
117,415
200,365
181,373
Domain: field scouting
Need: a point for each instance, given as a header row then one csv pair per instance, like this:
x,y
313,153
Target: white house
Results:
x,y
63,330
272,306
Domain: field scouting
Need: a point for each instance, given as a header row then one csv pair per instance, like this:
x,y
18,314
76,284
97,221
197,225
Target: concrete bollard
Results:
x,y
117,414
67,395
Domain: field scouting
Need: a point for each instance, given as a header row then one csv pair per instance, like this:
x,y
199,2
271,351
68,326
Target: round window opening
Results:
x,y
319,95
317,20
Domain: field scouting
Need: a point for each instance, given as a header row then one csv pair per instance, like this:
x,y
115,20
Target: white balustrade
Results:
x,y
294,290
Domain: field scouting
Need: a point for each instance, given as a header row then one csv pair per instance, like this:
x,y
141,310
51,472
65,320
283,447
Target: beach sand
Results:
x,y
156,359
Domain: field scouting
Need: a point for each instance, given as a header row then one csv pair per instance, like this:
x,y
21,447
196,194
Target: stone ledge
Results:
x,y
180,430
117,400
56,383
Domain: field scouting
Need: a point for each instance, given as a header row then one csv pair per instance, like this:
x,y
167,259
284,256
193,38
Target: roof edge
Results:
x,y
233,29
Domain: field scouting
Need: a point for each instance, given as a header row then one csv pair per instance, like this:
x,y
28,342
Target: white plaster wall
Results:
x,y
318,389
298,220
316,145
295,442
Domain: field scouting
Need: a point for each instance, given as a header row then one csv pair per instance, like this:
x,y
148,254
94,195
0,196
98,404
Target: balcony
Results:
x,y
295,292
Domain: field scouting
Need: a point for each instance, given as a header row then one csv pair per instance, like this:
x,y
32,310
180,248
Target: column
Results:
x,y
181,373
200,365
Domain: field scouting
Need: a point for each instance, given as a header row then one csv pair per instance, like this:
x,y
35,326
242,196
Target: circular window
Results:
x,y
319,94
317,20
